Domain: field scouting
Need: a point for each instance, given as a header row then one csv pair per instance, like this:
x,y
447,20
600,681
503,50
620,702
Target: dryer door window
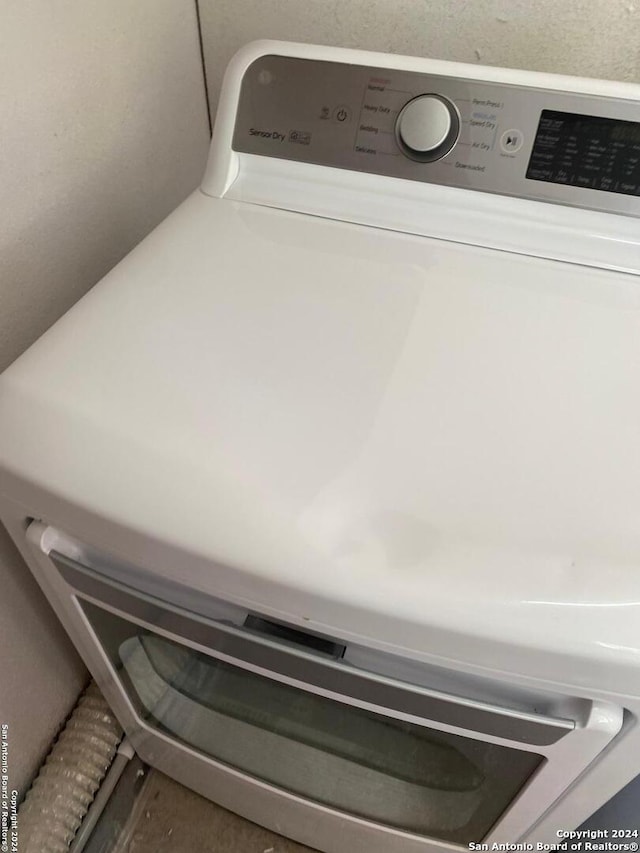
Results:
x,y
348,758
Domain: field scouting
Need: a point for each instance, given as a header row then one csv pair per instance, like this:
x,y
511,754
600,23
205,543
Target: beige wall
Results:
x,y
593,38
104,131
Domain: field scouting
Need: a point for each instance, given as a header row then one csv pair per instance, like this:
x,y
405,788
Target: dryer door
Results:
x,y
294,718
370,764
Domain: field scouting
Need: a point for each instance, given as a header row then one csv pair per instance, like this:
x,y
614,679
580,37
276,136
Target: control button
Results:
x,y
341,114
427,127
511,141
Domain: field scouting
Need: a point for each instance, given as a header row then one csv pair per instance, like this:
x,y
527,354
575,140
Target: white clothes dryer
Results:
x,y
335,480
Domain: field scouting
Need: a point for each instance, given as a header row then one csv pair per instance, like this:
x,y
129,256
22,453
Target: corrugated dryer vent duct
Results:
x,y
64,788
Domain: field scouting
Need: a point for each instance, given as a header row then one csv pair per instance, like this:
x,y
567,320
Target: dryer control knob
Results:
x,y
427,127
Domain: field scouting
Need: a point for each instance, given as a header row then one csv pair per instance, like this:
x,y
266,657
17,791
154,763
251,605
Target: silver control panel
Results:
x,y
568,148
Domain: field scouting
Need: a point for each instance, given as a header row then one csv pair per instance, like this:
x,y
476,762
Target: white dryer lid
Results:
x,y
354,417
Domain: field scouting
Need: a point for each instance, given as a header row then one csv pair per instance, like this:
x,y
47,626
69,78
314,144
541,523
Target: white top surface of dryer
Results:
x,y
357,427
351,425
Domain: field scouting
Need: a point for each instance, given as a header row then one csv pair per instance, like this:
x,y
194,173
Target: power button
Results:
x,y
341,114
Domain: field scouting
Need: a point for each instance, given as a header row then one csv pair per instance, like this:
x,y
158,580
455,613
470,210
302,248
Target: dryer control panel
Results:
x,y
568,148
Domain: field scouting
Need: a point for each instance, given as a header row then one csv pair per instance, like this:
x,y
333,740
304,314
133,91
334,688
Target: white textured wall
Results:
x,y
592,38
103,131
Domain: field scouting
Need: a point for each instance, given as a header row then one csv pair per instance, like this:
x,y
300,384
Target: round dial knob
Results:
x,y
427,127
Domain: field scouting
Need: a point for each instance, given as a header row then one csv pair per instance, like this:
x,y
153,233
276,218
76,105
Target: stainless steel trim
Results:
x,y
305,667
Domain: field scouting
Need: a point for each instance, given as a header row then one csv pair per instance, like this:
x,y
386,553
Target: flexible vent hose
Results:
x,y
62,792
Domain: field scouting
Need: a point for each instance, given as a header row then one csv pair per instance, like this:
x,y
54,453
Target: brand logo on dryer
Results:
x,y
267,134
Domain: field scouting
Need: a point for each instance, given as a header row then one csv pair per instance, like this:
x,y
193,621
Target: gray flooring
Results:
x,y
117,813
168,817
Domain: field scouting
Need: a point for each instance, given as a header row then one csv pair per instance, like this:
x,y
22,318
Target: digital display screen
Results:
x,y
587,151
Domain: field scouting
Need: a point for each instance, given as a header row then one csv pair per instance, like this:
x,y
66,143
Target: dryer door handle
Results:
x,y
309,670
